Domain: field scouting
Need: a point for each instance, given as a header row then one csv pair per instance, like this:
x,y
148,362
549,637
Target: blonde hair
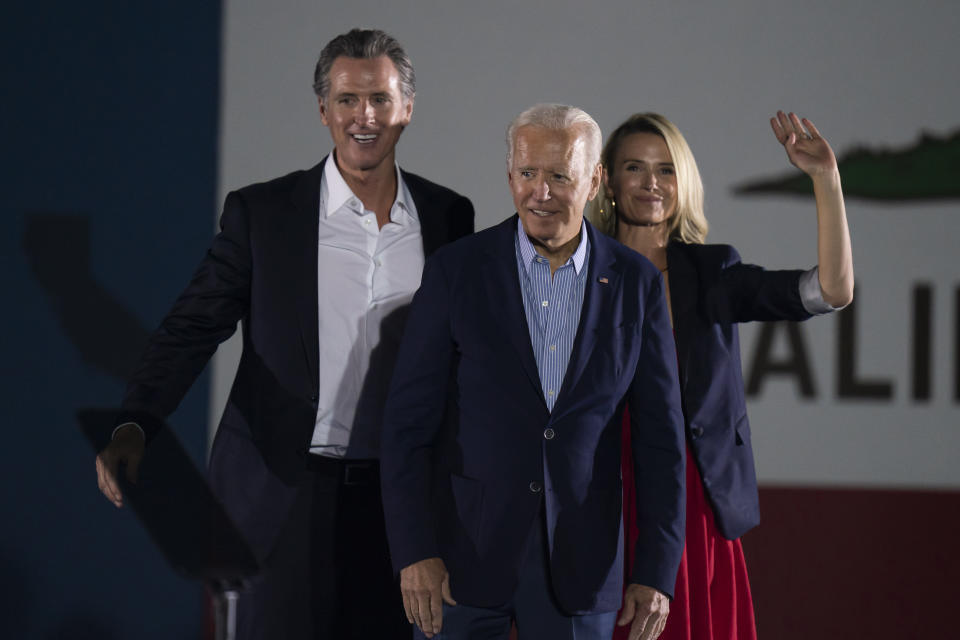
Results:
x,y
688,223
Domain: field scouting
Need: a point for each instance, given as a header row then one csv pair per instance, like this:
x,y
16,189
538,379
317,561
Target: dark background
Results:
x,y
109,137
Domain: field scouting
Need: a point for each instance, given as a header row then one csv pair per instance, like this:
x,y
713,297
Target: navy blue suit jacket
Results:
x,y
711,291
466,466
261,271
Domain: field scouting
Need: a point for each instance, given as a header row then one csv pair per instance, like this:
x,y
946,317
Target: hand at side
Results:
x,y
425,586
647,609
127,447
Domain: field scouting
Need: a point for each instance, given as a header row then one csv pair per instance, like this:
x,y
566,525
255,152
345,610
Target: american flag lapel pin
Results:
x,y
603,280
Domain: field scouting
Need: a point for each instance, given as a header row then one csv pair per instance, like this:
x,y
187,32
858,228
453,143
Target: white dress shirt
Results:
x,y
366,279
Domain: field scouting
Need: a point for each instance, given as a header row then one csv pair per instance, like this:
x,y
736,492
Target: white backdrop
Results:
x,y
874,74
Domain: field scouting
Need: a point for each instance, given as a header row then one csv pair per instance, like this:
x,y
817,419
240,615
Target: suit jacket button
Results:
x,y
549,433
535,487
696,432
314,398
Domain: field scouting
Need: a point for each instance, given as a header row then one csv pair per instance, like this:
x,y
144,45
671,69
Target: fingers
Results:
x,y
425,614
436,610
662,627
656,628
798,127
106,478
424,586
784,121
812,128
407,606
778,131
640,626
626,615
445,592
428,612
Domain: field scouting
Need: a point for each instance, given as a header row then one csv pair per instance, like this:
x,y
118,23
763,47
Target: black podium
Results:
x,y
173,501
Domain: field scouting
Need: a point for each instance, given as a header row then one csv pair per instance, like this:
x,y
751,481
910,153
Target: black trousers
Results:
x,y
329,576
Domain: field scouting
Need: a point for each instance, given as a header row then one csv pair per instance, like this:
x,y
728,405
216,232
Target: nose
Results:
x,y
541,190
649,180
364,112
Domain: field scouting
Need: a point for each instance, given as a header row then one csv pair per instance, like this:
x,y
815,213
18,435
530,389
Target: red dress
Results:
x,y
712,598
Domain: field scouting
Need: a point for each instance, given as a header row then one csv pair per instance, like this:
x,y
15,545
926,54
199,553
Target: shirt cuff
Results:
x,y
811,295
121,426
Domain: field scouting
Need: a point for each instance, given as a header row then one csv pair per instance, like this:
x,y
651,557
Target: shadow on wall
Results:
x,y
18,596
20,603
106,333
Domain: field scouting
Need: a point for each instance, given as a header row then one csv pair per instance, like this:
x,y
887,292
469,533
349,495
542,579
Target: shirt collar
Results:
x,y
528,252
337,194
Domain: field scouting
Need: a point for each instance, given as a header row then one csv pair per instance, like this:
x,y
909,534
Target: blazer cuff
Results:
x,y
132,424
811,295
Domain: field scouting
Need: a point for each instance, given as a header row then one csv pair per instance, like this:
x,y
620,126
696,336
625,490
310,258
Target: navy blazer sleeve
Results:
x,y
656,425
415,408
747,292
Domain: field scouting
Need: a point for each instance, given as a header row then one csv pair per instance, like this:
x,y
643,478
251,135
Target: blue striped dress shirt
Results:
x,y
552,306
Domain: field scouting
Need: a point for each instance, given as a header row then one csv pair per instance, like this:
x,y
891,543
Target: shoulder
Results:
x,y
466,259
439,195
716,256
632,261
475,247
270,191
278,185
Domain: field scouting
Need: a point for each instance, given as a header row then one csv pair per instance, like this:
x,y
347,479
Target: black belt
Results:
x,y
349,472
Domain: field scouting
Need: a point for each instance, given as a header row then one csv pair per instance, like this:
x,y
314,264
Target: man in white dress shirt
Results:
x,y
319,267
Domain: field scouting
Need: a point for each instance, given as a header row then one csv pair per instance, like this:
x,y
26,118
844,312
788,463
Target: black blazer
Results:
x,y
261,270
471,454
711,291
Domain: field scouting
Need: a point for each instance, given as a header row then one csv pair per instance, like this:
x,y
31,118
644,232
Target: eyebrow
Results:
x,y
626,160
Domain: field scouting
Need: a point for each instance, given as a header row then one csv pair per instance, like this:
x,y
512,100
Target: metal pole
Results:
x,y
225,608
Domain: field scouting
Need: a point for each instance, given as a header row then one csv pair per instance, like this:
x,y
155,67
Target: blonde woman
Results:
x,y
652,201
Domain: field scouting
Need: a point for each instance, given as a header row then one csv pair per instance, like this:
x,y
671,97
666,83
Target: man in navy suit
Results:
x,y
318,266
501,441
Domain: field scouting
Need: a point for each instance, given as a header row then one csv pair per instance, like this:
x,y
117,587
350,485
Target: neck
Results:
x,y
648,240
557,256
376,187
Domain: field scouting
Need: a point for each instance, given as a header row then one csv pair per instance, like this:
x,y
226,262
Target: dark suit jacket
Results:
x,y
711,291
467,462
261,270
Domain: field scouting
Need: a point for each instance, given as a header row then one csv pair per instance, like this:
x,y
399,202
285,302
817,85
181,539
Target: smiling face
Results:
x,y
551,182
643,180
365,111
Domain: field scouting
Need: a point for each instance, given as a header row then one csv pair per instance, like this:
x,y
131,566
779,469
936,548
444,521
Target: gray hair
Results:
x,y
558,117
365,44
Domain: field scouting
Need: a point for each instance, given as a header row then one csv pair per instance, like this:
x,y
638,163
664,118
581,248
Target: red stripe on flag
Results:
x,y
841,563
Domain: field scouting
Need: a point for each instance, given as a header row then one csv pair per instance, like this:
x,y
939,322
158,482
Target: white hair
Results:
x,y
558,117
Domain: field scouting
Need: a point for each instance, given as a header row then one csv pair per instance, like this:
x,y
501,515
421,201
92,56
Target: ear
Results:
x,y
595,180
606,179
407,111
323,111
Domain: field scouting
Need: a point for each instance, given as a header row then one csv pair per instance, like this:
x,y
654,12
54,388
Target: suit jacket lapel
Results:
x,y
602,288
683,301
502,284
433,224
303,254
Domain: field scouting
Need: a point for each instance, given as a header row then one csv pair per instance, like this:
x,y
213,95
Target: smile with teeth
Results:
x,y
364,138
541,213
